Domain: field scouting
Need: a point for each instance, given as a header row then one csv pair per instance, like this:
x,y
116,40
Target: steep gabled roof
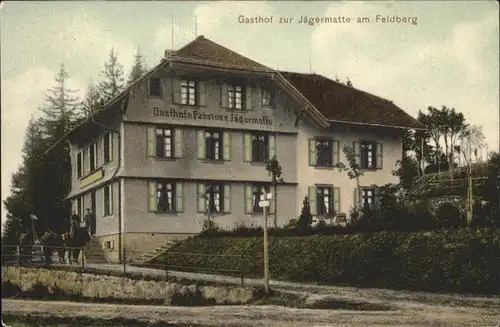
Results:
x,y
205,51
342,103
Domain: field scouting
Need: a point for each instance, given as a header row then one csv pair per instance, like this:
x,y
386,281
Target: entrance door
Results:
x,y
93,207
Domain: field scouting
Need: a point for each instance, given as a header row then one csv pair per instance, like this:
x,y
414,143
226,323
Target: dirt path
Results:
x,y
407,315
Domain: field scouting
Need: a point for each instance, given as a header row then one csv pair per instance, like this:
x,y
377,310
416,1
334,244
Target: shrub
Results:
x,y
449,216
305,219
210,226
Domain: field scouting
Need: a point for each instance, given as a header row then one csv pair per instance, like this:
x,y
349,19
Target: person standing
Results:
x,y
87,221
74,224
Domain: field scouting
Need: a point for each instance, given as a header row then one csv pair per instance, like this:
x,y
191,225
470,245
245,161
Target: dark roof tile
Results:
x,y
207,51
340,102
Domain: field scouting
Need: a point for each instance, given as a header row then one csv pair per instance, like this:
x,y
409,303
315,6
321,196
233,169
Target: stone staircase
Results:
x,y
148,256
93,252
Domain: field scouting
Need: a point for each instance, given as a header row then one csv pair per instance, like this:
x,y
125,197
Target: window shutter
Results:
x,y
249,96
227,198
248,198
151,141
272,203
260,93
176,90
272,146
377,197
312,152
89,159
356,198
102,201
111,146
247,145
101,150
336,199
357,152
336,153
111,199
226,142
96,154
202,202
202,93
224,96
312,200
379,156
201,144
179,197
151,196
179,142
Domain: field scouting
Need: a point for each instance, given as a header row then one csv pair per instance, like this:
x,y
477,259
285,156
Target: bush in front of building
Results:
x,y
463,260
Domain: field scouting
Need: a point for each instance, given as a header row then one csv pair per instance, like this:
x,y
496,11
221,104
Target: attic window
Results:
x,y
155,87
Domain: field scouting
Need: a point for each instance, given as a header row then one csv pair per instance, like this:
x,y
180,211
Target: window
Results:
x,y
213,145
324,156
367,197
189,92
107,147
260,147
324,201
235,97
266,100
164,142
165,196
108,200
257,190
155,87
108,245
93,156
214,197
79,164
368,155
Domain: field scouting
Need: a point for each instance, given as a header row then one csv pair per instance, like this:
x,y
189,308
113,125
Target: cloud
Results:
x,y
92,42
218,21
448,71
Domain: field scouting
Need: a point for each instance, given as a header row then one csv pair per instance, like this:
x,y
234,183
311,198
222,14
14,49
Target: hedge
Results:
x,y
464,260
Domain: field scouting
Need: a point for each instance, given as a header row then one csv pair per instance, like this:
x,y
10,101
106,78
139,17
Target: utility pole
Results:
x,y
264,204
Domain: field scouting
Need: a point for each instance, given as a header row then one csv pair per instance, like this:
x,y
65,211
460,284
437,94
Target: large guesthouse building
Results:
x,y
192,137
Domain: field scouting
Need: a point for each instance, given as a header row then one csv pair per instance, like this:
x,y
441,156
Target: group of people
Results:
x,y
76,222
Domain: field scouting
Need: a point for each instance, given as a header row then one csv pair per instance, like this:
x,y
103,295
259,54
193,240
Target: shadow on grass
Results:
x,y
52,321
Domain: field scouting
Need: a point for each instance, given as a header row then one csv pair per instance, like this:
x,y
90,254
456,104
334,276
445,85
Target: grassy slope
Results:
x,y
450,261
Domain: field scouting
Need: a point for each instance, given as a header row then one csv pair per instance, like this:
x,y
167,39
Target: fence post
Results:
x,y
18,249
83,260
242,271
124,259
166,265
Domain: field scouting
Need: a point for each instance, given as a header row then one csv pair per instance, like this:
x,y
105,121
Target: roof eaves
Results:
x,y
378,125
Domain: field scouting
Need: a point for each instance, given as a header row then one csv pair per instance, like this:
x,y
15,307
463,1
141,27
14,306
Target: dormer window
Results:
x,y
189,92
267,98
155,87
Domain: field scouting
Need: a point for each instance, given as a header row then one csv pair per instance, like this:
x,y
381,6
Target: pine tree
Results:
x,y
138,69
27,184
61,113
92,101
112,73
61,107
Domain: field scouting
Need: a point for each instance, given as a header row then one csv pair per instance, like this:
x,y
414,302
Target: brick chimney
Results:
x,y
169,52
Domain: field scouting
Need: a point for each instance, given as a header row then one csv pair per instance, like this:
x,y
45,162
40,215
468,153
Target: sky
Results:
x,y
450,56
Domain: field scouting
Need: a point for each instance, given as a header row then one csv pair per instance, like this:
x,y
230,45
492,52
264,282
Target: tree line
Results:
x,y
42,182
